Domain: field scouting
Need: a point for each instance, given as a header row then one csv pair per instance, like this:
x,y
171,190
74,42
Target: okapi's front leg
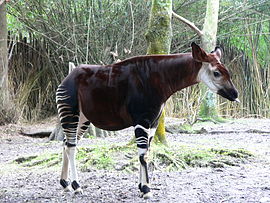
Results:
x,y
143,139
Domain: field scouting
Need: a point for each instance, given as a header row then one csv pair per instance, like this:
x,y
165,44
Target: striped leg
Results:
x,y
143,139
65,169
82,127
69,152
69,118
70,157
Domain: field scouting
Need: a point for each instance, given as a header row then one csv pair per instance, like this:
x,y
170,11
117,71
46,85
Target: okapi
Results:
x,y
131,93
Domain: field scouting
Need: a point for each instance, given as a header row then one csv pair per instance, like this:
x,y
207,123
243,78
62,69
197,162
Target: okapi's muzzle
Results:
x,y
230,94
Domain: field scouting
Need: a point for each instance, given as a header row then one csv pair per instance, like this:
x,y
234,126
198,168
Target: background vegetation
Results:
x,y
45,35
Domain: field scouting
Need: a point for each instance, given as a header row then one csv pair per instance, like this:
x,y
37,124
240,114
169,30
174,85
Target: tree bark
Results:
x,y
158,36
208,108
4,93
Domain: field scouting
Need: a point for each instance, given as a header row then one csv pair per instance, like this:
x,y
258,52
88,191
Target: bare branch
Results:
x,y
188,23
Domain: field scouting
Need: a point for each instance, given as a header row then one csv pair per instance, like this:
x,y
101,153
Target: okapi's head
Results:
x,y
213,73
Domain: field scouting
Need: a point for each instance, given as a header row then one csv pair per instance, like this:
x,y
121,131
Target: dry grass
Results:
x,y
61,34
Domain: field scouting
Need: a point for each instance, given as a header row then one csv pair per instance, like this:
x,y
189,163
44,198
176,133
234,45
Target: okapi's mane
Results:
x,y
135,59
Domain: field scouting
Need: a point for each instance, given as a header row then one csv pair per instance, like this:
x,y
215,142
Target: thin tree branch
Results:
x,y
88,36
188,23
132,16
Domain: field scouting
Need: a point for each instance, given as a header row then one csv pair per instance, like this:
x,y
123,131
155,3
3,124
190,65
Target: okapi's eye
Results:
x,y
217,74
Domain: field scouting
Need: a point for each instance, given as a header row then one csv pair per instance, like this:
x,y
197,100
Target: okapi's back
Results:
x,y
103,94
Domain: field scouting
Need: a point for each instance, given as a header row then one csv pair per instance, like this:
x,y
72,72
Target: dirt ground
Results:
x,y
248,182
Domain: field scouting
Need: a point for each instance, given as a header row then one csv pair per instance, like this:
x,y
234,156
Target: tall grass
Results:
x,y
57,32
101,31
247,58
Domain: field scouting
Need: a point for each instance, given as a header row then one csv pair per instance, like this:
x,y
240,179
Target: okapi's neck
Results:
x,y
175,72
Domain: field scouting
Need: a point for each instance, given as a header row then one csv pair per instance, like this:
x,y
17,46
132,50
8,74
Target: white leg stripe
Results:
x,y
141,138
139,126
152,132
71,153
141,151
143,128
65,166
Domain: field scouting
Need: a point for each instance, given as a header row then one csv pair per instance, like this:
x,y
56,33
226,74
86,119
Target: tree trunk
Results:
x,y
158,36
57,133
208,108
4,93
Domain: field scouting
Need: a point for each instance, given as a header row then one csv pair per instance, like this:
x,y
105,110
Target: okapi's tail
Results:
x,y
71,66
67,105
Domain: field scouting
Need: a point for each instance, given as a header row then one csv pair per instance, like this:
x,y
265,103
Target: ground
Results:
x,y
248,181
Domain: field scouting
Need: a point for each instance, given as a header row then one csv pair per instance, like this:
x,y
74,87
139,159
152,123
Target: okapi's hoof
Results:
x,y
76,187
65,184
79,191
145,191
67,189
147,195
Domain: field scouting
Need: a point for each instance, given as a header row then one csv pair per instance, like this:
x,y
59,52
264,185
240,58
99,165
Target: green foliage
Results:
x,y
43,160
187,128
96,157
238,153
182,156
161,157
14,25
247,45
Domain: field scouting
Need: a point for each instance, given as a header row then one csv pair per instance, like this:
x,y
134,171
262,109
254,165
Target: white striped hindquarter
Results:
x,y
74,125
68,116
72,120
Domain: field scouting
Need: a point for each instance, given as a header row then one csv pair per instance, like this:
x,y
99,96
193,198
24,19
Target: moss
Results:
x,y
44,160
24,159
208,109
213,118
158,36
125,158
160,135
187,128
95,157
159,31
236,153
178,157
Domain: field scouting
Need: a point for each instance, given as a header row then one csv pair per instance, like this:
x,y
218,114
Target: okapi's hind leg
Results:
x,y
69,125
64,181
70,151
82,127
143,139
73,126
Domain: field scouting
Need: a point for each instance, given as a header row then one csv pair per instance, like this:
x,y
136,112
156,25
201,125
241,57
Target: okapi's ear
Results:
x,y
218,52
198,53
